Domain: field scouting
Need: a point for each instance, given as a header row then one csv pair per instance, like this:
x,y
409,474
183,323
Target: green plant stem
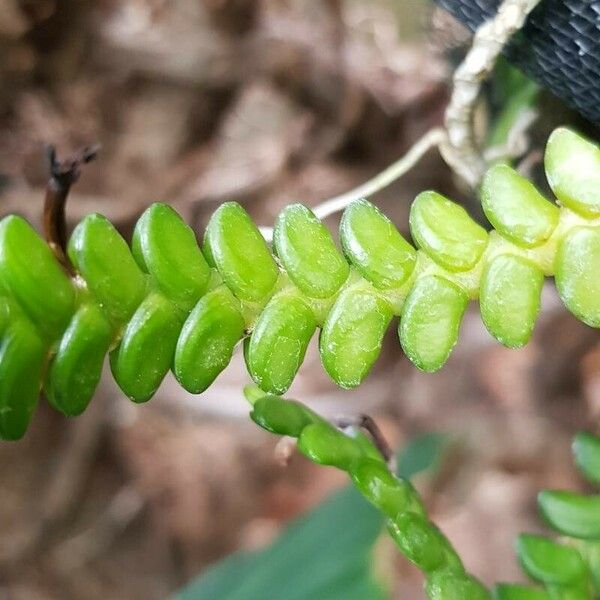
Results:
x,y
353,452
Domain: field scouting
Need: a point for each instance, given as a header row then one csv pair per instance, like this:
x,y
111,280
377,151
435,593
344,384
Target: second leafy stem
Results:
x,y
567,570
418,538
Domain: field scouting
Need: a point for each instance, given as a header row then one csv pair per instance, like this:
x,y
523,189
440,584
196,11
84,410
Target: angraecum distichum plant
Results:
x,y
165,302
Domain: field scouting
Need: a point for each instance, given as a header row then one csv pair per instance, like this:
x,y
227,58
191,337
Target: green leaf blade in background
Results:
x,y
325,554
328,554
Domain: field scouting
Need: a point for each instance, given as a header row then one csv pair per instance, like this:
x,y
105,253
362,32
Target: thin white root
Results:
x,y
396,170
456,141
460,149
431,139
517,142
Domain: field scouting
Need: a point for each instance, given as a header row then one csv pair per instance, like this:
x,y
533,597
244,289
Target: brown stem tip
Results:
x,y
63,174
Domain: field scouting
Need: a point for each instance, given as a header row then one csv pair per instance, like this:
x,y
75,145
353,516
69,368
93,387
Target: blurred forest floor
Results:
x,y
266,102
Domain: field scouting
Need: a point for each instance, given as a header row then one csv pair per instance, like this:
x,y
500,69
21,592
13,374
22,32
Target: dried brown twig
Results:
x,y
63,174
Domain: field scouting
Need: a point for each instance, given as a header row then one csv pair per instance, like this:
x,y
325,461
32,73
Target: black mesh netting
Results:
x,y
559,46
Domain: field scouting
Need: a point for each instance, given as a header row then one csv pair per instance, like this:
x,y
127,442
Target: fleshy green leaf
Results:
x,y
375,247
576,275
515,207
104,260
573,171
513,591
307,251
590,551
509,298
549,562
283,417
76,369
207,340
145,353
22,354
423,544
234,244
447,585
352,335
431,320
446,232
31,274
586,448
389,494
166,247
325,445
279,341
572,514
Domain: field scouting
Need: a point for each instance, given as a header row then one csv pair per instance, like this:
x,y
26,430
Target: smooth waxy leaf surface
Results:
x,y
423,544
352,335
571,513
279,341
573,171
576,275
30,273
104,260
308,252
446,232
283,417
510,298
326,445
22,354
549,562
140,362
586,449
515,207
76,369
374,480
235,246
375,247
431,321
444,585
207,340
166,247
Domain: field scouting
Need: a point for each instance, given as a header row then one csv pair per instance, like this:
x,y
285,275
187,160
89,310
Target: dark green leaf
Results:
x,y
513,591
586,448
549,562
572,514
421,454
326,554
